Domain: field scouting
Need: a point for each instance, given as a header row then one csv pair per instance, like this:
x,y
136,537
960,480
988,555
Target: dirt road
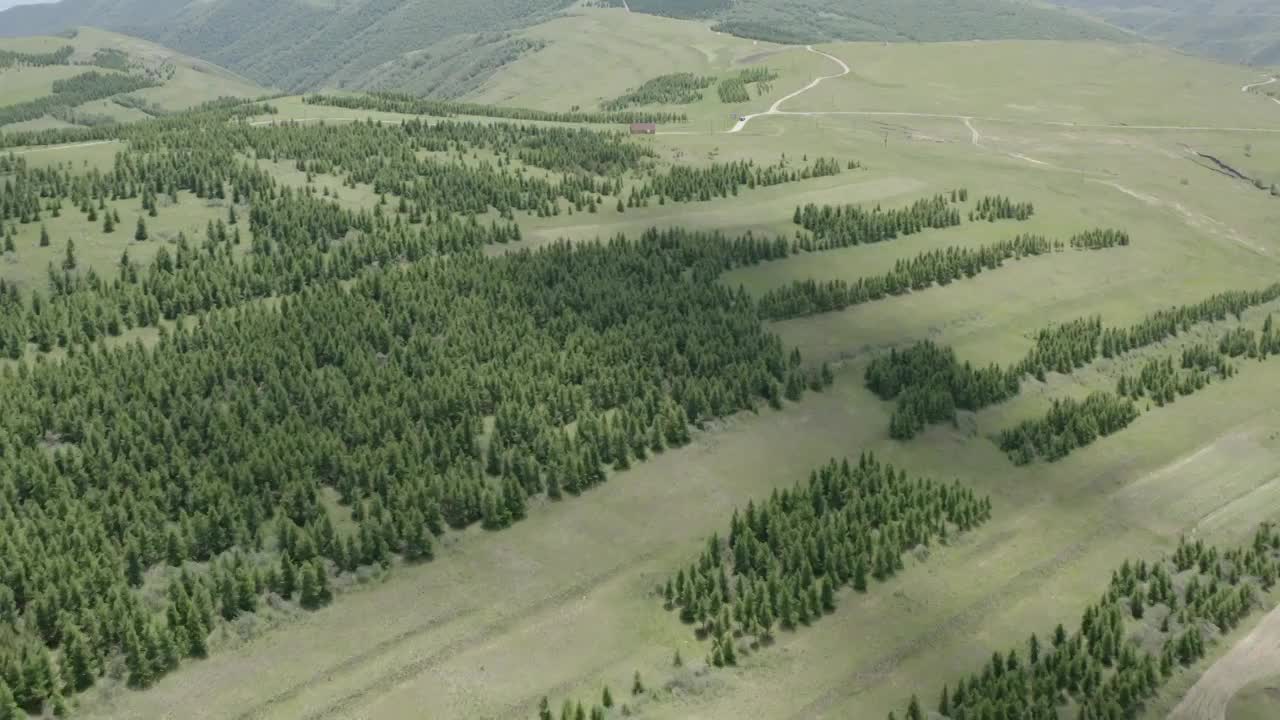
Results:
x,y
776,108
1253,658
1247,88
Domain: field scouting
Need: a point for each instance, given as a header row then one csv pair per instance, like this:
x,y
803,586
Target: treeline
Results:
x,y
735,89
219,440
786,560
414,105
1072,345
1068,425
846,225
70,92
932,267
1153,619
930,384
223,109
998,207
1168,323
1100,239
10,58
1163,381
686,183
675,89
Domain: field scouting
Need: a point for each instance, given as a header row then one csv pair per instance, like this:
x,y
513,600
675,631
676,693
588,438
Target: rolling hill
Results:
x,y
291,44
802,21
404,44
173,81
1243,31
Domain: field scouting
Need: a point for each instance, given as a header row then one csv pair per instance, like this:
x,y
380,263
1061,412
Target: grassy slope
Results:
x,y
24,84
194,81
574,580
290,44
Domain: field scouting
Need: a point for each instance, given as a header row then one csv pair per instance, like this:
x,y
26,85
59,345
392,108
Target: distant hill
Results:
x,y
885,20
6,4
297,44
1243,31
171,81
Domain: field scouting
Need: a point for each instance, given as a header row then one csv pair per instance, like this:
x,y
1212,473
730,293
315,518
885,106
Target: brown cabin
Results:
x,y
644,128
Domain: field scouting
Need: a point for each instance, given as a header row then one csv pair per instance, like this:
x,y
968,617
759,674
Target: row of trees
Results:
x,y
736,88
674,89
929,268
10,58
685,183
786,560
1127,646
1163,381
837,226
415,105
997,207
1068,346
1068,425
930,383
70,92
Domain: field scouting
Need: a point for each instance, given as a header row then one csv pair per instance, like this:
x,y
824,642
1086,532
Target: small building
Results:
x,y
644,128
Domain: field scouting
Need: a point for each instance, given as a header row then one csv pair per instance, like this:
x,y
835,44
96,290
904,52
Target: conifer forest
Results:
x,y
658,359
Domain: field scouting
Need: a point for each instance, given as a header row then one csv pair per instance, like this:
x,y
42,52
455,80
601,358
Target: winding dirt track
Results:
x,y
1247,88
1253,658
776,108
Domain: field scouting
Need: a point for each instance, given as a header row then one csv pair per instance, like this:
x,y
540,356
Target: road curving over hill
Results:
x,y
776,108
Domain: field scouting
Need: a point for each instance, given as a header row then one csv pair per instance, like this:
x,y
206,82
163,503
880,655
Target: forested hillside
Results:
x,y
291,44
1246,31
802,21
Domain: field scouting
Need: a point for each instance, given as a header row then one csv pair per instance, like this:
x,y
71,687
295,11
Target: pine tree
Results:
x,y
315,586
77,660
913,709
606,697
544,709
9,709
69,261
44,236
141,233
637,687
108,223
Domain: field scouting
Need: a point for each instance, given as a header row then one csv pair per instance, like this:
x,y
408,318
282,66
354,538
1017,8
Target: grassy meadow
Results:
x,y
564,603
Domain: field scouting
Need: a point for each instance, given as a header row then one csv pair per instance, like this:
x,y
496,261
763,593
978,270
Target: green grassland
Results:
x,y
22,84
1080,83
625,50
27,267
576,581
